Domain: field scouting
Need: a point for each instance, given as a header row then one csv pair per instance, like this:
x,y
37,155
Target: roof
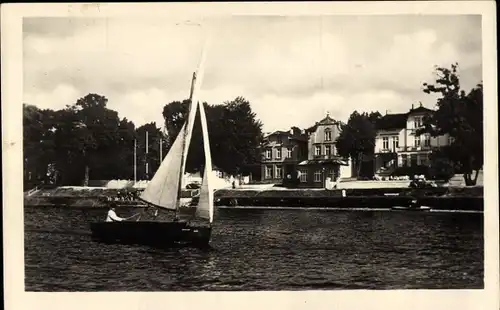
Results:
x,y
397,121
420,109
392,121
297,135
326,121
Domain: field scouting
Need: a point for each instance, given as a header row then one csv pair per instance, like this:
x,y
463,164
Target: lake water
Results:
x,y
263,250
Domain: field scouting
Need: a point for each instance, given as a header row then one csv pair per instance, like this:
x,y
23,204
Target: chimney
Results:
x,y
412,106
420,103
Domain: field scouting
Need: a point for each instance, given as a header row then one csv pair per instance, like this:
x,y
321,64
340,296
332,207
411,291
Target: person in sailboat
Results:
x,y
112,217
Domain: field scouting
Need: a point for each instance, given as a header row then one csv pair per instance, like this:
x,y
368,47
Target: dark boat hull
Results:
x,y
401,208
158,234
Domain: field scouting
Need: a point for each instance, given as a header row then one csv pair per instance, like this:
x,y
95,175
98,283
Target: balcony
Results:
x,y
417,148
388,150
325,156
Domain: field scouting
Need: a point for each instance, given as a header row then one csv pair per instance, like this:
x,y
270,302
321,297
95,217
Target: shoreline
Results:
x,y
444,198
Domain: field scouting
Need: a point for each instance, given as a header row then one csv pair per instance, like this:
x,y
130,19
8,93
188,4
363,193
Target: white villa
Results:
x,y
396,144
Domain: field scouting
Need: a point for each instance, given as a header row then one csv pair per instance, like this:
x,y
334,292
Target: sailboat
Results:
x,y
163,193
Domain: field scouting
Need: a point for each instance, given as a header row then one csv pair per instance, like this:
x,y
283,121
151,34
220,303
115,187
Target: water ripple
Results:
x,y
263,250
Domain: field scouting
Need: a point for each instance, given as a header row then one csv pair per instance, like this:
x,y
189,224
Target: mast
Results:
x,y
183,156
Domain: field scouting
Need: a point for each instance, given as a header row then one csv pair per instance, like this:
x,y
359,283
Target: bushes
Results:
x,y
442,169
291,179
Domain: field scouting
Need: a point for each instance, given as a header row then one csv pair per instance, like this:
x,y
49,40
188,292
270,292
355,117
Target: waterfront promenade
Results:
x,y
449,198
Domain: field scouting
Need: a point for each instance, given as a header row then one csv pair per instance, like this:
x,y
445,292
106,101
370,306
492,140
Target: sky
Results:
x,y
292,69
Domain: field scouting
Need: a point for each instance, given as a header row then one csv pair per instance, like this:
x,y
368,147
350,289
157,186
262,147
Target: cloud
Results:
x,y
58,98
291,69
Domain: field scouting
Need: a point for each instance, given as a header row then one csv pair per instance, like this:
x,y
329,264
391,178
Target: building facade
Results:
x,y
397,145
282,151
323,162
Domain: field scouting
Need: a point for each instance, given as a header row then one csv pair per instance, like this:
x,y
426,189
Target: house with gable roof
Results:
x,y
397,145
323,161
281,153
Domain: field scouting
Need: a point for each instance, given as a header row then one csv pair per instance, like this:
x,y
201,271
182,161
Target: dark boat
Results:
x,y
413,206
152,233
410,208
164,193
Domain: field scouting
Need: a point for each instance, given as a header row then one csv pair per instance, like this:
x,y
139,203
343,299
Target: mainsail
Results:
x,y
190,124
165,187
162,190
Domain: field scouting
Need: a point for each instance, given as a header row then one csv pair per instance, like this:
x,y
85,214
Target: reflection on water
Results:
x,y
262,250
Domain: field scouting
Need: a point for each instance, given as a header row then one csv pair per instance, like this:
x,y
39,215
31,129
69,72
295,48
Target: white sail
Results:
x,y
163,189
205,207
195,88
189,127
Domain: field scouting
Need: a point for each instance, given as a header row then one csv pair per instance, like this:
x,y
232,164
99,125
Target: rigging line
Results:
x,y
321,50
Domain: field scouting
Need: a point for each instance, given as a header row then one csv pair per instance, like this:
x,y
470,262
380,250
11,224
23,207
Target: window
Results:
x,y
424,159
268,154
418,122
395,142
318,150
334,150
269,172
328,134
289,152
385,143
413,160
331,174
303,175
328,150
317,176
278,153
427,140
404,160
278,172
417,141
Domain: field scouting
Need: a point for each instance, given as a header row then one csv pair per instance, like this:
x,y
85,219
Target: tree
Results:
x,y
460,115
38,144
357,140
174,115
84,140
442,168
234,134
240,136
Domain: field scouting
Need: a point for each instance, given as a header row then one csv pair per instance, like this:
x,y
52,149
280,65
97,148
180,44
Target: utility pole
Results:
x,y
161,150
146,156
135,161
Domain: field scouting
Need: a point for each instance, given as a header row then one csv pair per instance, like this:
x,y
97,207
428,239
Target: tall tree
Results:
x,y
357,139
460,115
239,138
174,115
38,143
